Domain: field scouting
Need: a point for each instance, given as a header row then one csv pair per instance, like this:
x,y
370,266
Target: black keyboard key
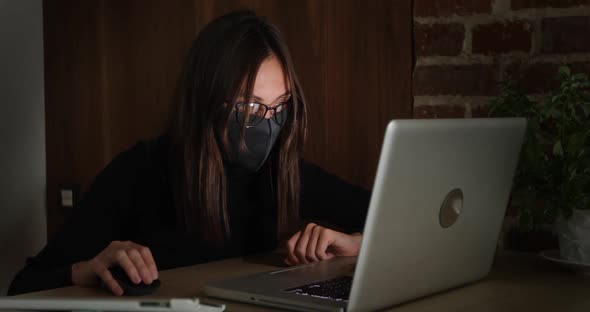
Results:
x,y
335,289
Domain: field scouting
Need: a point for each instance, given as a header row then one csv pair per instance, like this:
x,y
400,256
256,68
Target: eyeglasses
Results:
x,y
257,112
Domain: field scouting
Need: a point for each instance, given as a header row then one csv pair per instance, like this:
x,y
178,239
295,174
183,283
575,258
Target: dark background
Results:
x,y
112,66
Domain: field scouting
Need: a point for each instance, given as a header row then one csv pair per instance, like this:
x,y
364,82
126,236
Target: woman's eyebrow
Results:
x,y
258,99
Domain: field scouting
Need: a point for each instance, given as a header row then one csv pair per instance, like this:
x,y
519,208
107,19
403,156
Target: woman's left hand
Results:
x,y
316,243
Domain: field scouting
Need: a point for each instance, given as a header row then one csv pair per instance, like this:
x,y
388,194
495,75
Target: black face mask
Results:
x,y
259,142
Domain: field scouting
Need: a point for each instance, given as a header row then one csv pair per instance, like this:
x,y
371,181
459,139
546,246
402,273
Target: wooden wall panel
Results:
x,y
142,53
112,67
73,114
368,83
206,11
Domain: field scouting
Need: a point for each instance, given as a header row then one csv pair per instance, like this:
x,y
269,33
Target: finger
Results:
x,y
149,260
105,275
127,265
301,246
291,243
324,241
140,265
312,244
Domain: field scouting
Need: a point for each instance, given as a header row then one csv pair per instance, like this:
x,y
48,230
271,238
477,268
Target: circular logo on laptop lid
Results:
x,y
451,208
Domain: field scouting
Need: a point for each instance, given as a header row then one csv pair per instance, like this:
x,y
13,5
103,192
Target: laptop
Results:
x,y
107,304
437,206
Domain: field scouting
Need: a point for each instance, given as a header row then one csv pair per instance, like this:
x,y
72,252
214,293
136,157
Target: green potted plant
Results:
x,y
552,182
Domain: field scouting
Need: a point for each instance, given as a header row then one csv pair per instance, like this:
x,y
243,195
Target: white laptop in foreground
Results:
x,y
13,304
436,210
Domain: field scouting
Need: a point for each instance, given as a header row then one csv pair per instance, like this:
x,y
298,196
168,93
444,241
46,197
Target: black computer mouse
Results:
x,y
130,288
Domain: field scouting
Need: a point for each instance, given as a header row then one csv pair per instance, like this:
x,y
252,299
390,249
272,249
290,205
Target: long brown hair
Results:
x,y
223,62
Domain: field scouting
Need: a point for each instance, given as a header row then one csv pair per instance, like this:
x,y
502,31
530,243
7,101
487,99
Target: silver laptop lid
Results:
x,y
410,247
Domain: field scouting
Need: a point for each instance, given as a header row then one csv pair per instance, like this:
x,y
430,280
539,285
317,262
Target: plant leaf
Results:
x,y
580,76
585,109
553,175
558,149
575,144
564,71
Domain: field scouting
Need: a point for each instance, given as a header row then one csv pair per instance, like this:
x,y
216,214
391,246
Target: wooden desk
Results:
x,y
518,282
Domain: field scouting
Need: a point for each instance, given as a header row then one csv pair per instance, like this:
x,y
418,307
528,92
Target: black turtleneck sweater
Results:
x,y
131,199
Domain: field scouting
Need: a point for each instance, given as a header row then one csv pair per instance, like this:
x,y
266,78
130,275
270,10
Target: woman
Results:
x,y
225,180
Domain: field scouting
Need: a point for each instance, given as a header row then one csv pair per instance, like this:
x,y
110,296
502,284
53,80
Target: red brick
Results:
x,y
479,112
439,111
532,78
439,39
425,8
530,4
500,38
455,80
539,77
566,34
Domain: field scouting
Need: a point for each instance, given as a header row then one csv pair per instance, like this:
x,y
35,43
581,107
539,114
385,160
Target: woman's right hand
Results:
x,y
135,259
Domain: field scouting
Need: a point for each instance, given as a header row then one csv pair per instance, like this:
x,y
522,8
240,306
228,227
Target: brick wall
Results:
x,y
465,47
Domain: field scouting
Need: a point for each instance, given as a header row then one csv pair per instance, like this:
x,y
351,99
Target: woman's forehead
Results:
x,y
270,82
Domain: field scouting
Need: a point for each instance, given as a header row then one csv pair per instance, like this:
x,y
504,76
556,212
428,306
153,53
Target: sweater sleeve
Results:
x,y
97,220
330,201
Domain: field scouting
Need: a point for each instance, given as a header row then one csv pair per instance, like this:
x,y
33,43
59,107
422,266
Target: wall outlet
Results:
x,y
68,195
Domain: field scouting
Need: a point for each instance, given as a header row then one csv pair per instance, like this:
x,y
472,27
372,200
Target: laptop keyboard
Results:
x,y
335,289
